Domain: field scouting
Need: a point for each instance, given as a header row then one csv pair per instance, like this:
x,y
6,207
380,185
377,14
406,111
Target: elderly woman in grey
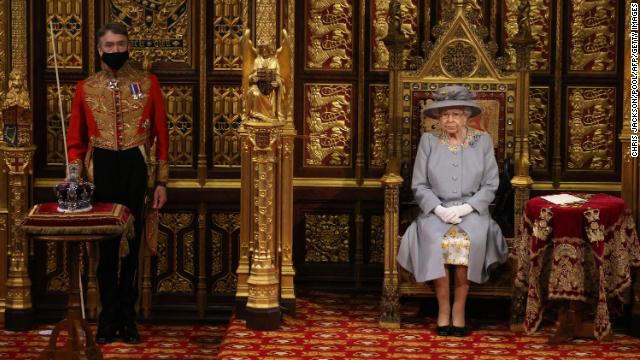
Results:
x,y
455,177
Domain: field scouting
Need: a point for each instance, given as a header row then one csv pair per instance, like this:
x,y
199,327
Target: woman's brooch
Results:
x,y
474,139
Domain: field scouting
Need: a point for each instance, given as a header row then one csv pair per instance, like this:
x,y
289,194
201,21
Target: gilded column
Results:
x,y
246,189
395,41
287,272
19,311
523,43
289,132
4,211
263,306
17,155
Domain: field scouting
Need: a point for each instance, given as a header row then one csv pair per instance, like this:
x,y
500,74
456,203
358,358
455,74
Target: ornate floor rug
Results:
x,y
161,342
342,327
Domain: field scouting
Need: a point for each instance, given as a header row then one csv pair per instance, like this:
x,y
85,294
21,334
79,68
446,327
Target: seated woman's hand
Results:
x,y
462,210
447,215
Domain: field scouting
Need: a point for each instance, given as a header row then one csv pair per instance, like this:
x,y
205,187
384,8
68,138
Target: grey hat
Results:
x,y
449,96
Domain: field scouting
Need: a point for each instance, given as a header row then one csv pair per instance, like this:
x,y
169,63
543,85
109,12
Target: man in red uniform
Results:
x,y
118,115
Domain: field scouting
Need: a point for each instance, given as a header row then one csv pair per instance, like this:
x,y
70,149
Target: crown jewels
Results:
x,y
74,195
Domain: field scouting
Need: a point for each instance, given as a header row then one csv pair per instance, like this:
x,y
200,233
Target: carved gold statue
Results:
x,y
16,112
266,79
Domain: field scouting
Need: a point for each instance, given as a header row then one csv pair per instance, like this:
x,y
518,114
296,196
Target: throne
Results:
x,y
458,56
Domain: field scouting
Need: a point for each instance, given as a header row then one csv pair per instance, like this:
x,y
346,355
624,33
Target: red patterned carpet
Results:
x,y
340,327
161,342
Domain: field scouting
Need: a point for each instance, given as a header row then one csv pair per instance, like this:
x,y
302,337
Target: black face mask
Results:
x,y
115,60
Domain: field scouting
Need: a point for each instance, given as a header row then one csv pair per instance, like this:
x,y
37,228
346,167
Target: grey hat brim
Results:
x,y
433,109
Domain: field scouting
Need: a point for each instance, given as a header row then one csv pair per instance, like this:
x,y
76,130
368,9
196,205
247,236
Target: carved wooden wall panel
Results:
x,y
540,18
539,127
176,246
180,119
329,34
227,105
584,35
327,237
378,125
592,130
4,69
163,30
225,229
227,31
328,123
378,30
66,18
593,35
55,142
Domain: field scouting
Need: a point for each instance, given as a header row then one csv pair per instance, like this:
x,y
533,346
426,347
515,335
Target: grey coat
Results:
x,y
443,177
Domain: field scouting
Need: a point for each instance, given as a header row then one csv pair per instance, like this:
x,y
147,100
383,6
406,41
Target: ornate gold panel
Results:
x,y
538,127
19,35
227,111
376,240
266,23
472,8
328,124
216,252
225,230
592,35
161,28
329,34
66,16
379,130
540,30
52,257
55,141
327,237
179,107
171,268
592,131
188,253
3,47
459,59
379,27
227,31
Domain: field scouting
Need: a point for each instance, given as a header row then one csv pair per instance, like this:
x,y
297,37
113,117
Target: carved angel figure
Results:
x,y
266,80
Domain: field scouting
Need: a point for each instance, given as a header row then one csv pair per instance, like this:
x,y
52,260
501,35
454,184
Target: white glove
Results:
x,y
447,215
462,210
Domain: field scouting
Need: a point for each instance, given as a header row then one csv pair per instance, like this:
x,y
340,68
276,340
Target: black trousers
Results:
x,y
120,177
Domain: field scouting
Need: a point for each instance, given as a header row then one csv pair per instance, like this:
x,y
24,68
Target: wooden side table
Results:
x,y
45,223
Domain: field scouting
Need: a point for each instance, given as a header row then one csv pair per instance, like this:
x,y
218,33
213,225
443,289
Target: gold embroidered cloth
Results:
x,y
587,250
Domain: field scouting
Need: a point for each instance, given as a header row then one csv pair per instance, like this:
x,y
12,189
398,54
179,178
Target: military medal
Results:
x,y
136,90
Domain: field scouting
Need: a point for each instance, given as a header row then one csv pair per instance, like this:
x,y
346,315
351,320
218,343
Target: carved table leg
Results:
x,y
76,327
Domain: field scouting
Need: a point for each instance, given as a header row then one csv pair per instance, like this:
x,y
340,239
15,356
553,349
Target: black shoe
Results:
x,y
459,331
105,335
129,334
443,330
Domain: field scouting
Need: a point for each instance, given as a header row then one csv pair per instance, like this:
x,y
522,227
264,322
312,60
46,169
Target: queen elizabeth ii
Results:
x,y
455,177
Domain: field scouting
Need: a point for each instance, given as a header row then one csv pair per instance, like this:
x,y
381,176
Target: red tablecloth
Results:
x,y
102,219
586,249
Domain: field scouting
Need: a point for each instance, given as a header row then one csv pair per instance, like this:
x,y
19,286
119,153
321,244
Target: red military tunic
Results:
x,y
119,115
